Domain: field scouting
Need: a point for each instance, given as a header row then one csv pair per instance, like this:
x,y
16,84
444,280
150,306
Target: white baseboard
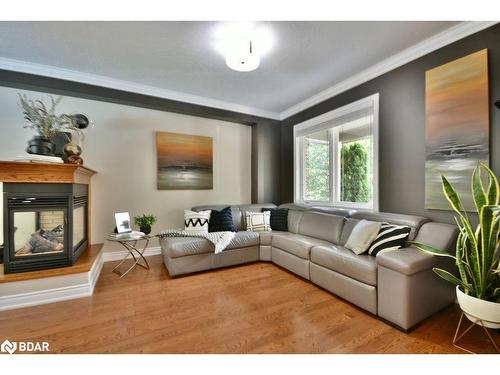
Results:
x,y
71,287
110,256
59,288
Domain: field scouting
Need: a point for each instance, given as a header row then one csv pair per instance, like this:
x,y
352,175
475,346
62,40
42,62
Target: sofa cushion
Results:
x,y
440,235
323,226
349,225
176,247
294,217
337,258
414,222
296,244
244,239
184,246
265,238
331,210
221,221
295,206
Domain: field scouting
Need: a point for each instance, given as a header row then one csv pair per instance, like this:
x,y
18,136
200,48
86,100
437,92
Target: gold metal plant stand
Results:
x,y
478,322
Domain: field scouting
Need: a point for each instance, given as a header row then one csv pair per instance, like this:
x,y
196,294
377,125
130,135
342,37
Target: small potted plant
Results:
x,y
477,254
45,122
145,222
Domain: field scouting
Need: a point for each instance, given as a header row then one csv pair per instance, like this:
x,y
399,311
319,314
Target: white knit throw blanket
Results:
x,y
220,239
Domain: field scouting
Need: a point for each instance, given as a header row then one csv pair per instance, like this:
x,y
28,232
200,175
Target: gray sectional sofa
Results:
x,y
398,286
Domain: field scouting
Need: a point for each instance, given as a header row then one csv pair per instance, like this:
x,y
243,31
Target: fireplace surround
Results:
x,y
45,225
46,211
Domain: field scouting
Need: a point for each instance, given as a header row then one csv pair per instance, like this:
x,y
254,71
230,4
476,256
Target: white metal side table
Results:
x,y
137,254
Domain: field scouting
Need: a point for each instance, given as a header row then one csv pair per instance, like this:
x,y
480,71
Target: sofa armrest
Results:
x,y
411,260
408,290
407,261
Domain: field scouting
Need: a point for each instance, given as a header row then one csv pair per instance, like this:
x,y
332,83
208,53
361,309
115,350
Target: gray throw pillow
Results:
x,y
362,235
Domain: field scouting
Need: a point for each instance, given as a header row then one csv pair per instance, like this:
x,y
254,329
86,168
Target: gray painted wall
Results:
x,y
265,132
402,125
266,162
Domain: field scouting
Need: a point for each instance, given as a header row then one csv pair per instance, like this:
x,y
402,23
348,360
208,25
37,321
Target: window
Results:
x,y
336,157
317,166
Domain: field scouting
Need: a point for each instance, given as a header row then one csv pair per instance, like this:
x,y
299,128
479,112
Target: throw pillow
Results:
x,y
362,235
196,222
221,221
258,221
279,218
390,237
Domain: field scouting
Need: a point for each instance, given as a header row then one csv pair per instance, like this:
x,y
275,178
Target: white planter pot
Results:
x,y
477,309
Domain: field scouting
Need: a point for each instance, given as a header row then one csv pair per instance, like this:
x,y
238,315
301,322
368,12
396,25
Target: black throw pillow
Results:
x,y
221,221
279,218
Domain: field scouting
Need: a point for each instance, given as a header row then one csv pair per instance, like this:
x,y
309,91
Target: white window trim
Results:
x,y
298,160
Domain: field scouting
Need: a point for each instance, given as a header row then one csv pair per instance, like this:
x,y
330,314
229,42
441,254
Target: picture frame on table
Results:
x,y
122,220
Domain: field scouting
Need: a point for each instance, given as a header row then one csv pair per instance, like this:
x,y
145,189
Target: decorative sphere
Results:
x,y
72,149
81,121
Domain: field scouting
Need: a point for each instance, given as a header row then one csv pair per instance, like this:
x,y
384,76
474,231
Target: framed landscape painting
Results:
x,y
456,126
185,162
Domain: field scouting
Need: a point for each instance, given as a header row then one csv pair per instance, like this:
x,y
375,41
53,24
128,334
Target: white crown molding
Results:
x,y
61,288
420,49
101,81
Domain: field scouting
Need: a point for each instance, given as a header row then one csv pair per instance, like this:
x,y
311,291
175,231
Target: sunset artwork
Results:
x,y
457,126
185,162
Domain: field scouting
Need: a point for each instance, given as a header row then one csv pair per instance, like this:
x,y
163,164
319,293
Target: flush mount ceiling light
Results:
x,y
243,57
243,44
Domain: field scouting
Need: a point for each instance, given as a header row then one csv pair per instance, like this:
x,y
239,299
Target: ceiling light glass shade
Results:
x,y
241,55
243,63
243,44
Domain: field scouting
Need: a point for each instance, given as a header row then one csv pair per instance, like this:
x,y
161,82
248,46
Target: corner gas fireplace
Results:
x,y
45,225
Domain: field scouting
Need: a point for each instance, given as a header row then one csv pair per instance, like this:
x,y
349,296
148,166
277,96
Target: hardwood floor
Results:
x,y
256,308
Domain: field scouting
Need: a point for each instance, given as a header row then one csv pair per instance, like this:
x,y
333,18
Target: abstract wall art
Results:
x,y
185,162
456,126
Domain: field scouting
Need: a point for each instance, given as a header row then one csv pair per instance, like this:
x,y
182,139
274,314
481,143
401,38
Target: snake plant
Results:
x,y
477,250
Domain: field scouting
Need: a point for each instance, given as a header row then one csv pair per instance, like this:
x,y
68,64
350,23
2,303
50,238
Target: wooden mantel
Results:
x,y
14,171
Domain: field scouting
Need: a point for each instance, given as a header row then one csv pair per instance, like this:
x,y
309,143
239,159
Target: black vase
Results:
x,y
146,229
41,146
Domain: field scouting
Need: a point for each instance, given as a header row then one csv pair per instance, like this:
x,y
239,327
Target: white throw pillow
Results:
x,y
196,222
362,235
258,221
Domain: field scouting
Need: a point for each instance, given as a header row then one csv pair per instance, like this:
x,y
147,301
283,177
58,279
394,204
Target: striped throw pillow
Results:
x,y
390,237
258,221
196,222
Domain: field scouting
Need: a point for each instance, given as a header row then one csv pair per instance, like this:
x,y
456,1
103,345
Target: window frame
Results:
x,y
370,102
303,174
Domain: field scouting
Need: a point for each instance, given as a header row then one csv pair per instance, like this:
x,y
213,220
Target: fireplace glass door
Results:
x,y
39,232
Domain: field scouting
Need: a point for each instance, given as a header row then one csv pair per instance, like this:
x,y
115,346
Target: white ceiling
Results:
x,y
179,60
